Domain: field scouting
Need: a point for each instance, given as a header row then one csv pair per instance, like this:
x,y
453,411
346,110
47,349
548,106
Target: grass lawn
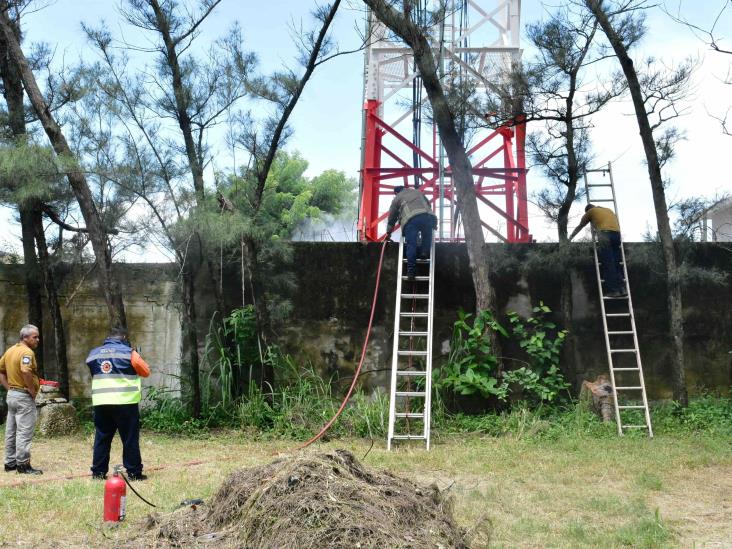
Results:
x,y
672,491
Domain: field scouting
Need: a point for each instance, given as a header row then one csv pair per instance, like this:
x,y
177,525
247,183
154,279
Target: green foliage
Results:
x,y
472,367
29,171
163,413
523,421
708,413
539,338
289,198
231,353
646,531
302,403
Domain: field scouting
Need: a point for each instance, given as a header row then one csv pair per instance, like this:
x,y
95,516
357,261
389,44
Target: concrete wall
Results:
x,y
152,312
331,299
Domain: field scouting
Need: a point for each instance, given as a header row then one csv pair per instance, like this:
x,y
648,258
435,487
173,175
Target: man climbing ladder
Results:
x,y
606,227
411,368
413,212
616,304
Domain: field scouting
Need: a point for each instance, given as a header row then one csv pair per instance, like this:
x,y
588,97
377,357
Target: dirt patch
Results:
x,y
312,501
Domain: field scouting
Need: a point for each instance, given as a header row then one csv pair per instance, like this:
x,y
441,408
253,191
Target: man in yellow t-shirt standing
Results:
x,y
606,225
19,376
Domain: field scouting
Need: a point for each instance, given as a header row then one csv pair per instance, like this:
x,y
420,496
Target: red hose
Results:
x,y
360,362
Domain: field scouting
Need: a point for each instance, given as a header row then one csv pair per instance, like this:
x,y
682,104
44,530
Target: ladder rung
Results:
x,y
600,185
620,333
414,315
419,334
623,351
634,426
634,407
411,373
412,353
409,415
602,200
404,259
415,296
617,314
417,278
628,388
625,369
614,297
410,393
408,437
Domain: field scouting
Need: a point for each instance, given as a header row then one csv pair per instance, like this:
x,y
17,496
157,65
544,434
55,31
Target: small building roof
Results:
x,y
720,206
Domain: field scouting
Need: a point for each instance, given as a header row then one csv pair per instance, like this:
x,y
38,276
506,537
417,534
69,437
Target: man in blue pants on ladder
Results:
x,y
414,213
605,223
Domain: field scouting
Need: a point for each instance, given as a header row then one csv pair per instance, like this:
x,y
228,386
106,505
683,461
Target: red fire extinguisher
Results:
x,y
115,497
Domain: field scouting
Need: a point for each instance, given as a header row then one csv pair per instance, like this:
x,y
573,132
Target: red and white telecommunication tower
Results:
x,y
475,43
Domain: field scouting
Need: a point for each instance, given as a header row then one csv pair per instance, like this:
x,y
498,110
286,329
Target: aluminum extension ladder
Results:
x,y
410,397
618,322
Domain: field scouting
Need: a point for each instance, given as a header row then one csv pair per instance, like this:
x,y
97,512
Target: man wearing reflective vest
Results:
x,y
116,369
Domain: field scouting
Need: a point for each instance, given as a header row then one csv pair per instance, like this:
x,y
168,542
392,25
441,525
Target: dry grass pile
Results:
x,y
312,501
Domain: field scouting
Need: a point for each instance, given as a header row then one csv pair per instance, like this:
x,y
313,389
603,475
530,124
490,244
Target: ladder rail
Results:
x,y
428,363
631,310
395,348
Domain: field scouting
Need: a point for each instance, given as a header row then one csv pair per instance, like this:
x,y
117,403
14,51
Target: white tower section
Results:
x,y
479,38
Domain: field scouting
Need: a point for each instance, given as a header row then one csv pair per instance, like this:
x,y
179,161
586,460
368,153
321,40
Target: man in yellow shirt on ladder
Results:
x,y
605,223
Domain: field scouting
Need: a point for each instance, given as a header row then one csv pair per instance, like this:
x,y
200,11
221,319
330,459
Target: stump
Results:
x,y
598,395
56,416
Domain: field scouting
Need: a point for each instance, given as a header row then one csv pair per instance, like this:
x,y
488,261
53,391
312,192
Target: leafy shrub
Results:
x,y
473,368
229,358
165,413
707,413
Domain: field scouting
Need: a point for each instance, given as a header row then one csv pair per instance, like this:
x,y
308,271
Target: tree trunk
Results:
x,y
54,309
77,180
181,102
32,277
566,305
190,337
462,171
259,300
13,92
674,302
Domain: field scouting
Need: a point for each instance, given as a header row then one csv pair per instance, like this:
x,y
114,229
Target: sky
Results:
x,y
327,120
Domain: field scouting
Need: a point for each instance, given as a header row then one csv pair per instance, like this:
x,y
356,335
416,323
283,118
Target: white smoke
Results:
x,y
327,228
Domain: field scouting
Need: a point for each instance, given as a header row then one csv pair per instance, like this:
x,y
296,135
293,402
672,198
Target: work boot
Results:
x,y
10,467
410,275
27,469
99,476
138,476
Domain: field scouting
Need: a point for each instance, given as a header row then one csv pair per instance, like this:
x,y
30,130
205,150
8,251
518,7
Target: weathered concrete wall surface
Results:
x,y
331,300
151,303
335,286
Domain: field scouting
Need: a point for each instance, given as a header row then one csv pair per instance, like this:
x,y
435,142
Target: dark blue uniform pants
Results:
x,y
608,251
108,419
420,224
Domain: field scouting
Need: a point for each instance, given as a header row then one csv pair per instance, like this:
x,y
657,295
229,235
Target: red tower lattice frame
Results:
x,y
507,182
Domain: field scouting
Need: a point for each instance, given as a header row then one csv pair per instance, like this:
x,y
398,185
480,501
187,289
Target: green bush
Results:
x,y
472,367
707,413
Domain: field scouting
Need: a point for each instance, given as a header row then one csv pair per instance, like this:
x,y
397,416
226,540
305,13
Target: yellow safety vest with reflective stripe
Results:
x,y
114,380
